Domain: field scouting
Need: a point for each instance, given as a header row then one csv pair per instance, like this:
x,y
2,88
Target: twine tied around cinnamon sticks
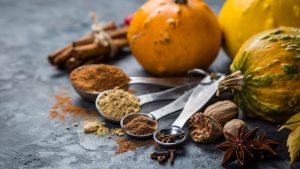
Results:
x,y
101,37
103,42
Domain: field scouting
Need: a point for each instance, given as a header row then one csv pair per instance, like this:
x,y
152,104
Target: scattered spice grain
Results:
x,y
99,129
91,126
117,131
75,124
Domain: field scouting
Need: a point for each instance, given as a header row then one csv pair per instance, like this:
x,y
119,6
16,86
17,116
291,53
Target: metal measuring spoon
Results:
x,y
167,82
200,96
169,94
174,106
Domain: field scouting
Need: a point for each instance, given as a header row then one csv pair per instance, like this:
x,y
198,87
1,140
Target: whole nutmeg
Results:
x,y
233,126
222,111
204,129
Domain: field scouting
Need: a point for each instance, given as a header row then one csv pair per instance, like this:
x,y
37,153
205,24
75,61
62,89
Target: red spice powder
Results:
x,y
64,107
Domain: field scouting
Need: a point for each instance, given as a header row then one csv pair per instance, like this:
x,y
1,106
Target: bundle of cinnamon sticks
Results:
x,y
86,50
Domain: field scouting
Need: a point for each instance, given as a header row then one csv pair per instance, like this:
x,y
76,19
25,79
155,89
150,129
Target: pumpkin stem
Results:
x,y
234,81
180,1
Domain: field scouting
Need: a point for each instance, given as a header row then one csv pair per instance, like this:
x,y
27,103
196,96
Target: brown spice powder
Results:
x,y
56,115
99,77
64,107
124,145
141,125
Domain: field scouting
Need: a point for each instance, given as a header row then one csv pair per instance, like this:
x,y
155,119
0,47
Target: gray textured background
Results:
x,y
29,30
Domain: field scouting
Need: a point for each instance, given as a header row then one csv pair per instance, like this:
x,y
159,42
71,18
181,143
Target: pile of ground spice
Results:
x,y
100,129
124,145
117,103
64,107
141,125
99,77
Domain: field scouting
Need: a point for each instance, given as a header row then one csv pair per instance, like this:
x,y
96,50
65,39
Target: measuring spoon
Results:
x,y
174,106
167,82
199,97
169,94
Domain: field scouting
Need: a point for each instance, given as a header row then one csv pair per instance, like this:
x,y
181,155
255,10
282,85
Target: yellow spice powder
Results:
x,y
118,103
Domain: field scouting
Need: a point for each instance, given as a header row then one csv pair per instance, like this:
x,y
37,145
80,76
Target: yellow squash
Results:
x,y
266,75
169,37
241,19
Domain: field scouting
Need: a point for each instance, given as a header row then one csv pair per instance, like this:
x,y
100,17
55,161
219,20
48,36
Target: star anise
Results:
x,y
238,147
245,147
264,146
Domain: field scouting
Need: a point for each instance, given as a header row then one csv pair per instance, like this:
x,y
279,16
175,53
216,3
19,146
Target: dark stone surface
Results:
x,y
30,139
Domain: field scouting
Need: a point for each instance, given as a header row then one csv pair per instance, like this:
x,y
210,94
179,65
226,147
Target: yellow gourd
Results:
x,y
169,37
240,19
266,75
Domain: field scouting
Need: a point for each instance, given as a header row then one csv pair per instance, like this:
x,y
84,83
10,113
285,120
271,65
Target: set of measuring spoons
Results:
x,y
190,97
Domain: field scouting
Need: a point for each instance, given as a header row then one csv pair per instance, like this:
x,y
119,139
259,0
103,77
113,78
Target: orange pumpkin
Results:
x,y
169,37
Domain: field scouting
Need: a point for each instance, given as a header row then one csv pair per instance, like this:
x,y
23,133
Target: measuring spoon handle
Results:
x,y
169,94
199,97
176,105
168,82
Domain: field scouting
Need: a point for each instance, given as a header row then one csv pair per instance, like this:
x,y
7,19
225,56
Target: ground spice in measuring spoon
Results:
x,y
141,125
117,103
99,77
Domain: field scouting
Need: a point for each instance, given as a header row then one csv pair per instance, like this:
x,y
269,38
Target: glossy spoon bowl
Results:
x,y
170,131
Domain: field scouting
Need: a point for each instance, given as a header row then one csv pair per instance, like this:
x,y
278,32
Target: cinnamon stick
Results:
x,y
118,33
87,51
120,43
93,60
88,39
72,63
52,56
65,55
109,26
82,41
